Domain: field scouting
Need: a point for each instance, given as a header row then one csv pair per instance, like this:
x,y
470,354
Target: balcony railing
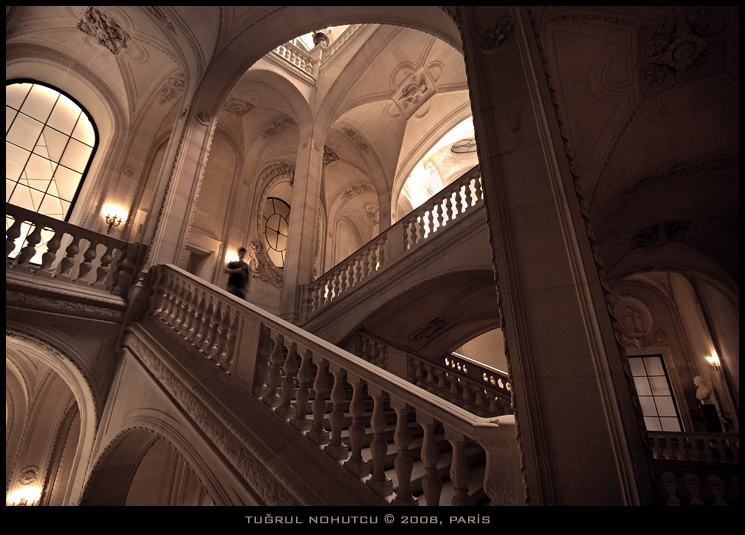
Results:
x,y
477,388
697,468
289,370
462,197
89,258
293,55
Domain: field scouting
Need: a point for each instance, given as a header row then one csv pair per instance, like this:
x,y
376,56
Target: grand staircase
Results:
x,y
400,443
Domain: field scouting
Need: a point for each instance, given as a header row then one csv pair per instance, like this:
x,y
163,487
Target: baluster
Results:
x,y
201,340
226,356
704,490
436,215
423,227
192,329
343,285
379,447
288,383
215,326
335,448
430,455
317,434
463,196
11,235
86,266
356,465
448,210
218,352
478,189
186,321
103,270
28,252
304,377
126,265
403,463
381,256
459,471
182,311
48,258
174,302
275,362
373,259
69,261
335,282
681,489
409,230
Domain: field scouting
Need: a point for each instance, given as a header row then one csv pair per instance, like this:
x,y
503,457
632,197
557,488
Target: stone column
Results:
x,y
578,429
301,239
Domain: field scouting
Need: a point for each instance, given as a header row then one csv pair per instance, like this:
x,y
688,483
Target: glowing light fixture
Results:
x,y
25,496
114,216
713,361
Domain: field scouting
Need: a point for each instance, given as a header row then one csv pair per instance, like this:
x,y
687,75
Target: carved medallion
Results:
x,y
683,44
496,35
415,91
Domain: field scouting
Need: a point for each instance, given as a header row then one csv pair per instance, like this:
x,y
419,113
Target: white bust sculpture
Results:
x,y
703,392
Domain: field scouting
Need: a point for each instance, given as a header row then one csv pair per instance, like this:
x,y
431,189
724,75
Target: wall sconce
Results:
x,y
25,496
713,361
114,216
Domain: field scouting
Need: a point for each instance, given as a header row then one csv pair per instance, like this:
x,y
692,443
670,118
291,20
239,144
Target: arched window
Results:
x,y
50,141
276,225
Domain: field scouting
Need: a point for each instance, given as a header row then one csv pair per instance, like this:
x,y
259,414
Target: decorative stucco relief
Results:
x,y
104,30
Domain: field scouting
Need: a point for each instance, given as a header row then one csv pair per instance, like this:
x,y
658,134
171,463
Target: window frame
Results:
x,y
94,148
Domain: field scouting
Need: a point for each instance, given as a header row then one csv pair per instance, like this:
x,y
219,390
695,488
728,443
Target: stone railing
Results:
x,y
477,388
311,385
296,57
462,197
89,258
697,468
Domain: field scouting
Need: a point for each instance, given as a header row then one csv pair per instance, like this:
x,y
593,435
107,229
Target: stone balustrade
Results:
x,y
312,386
296,57
52,249
477,388
697,468
460,198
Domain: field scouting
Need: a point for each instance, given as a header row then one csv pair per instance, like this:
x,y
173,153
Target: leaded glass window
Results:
x,y
49,143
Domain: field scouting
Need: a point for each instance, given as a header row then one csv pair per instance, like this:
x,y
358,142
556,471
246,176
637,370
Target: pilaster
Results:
x,y
579,432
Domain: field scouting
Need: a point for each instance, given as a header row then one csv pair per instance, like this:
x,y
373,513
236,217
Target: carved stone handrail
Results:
x,y
463,197
289,369
90,259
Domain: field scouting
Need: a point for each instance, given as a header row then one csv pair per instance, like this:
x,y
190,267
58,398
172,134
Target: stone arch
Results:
x,y
111,478
20,344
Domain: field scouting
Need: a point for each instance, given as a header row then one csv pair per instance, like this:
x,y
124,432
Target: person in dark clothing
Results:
x,y
238,275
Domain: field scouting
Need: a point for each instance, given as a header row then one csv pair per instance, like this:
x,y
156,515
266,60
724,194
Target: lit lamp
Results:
x,y
25,496
114,216
713,361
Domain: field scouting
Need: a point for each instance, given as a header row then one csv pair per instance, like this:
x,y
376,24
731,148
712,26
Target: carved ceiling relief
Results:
x,y
683,44
415,91
638,328
237,107
104,30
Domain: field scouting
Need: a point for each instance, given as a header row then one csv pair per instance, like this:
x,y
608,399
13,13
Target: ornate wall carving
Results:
x,y
104,30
